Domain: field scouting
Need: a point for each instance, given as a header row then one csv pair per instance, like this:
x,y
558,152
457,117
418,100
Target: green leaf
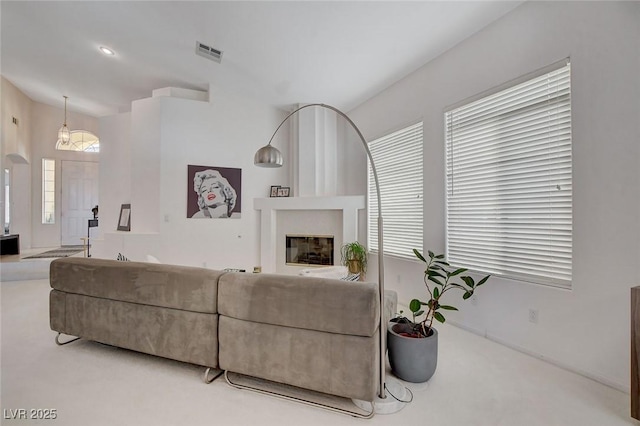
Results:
x,y
414,305
442,262
431,254
440,256
436,293
438,316
467,295
459,271
449,308
435,280
419,256
418,313
469,281
482,281
432,273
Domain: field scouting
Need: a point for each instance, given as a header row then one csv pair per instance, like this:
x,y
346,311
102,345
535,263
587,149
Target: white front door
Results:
x,y
79,196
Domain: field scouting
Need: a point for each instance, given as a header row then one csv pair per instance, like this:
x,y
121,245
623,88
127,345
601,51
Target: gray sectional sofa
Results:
x,y
169,311
315,333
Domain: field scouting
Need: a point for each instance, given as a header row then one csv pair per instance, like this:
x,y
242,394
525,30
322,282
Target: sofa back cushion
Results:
x,y
170,286
302,302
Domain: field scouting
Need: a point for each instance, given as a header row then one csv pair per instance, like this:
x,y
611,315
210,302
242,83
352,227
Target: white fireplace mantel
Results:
x,y
269,208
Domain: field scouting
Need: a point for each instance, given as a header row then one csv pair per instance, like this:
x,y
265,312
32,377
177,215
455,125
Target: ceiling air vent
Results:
x,y
208,52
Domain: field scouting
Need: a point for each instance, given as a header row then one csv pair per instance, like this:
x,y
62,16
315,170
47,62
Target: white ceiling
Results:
x,y
280,53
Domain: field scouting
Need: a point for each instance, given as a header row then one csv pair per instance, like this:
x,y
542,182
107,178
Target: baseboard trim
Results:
x,y
596,377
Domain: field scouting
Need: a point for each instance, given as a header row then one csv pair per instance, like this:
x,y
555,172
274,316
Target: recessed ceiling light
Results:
x,y
107,51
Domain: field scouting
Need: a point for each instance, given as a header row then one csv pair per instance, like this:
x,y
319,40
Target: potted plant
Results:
x,y
354,257
413,344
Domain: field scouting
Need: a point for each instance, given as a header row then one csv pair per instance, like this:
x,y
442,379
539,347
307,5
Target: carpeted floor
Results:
x,y
65,251
477,383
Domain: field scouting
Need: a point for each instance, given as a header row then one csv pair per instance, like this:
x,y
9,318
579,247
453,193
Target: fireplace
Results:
x,y
304,216
309,250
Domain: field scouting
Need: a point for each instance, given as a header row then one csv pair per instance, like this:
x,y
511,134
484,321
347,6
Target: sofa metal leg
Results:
x,y
299,400
206,378
59,343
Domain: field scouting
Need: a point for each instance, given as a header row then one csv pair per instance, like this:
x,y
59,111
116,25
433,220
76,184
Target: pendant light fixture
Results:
x,y
63,134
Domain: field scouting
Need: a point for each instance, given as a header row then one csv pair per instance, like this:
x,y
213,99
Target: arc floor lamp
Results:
x,y
269,156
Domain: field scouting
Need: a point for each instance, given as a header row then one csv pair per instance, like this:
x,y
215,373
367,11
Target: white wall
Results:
x,y
314,152
586,328
166,135
16,138
15,155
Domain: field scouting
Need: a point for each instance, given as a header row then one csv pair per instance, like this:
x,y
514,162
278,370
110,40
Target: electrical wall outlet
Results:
x,y
533,316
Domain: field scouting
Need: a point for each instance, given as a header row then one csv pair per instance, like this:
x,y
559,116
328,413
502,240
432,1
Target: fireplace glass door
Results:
x,y
309,250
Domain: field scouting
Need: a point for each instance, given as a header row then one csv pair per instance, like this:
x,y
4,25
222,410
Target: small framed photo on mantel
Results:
x,y
279,191
283,191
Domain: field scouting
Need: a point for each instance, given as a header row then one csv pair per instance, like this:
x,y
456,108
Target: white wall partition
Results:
x,y
164,135
585,328
115,170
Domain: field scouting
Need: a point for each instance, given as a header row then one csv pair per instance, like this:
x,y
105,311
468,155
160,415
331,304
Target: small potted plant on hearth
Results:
x,y
413,344
354,257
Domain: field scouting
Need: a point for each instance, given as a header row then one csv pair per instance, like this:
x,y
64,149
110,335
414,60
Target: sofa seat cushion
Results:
x,y
171,333
335,364
170,286
301,302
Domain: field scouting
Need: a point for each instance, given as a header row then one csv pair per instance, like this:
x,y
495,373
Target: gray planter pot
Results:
x,y
412,359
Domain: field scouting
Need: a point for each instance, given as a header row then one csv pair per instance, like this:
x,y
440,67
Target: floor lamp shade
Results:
x,y
268,156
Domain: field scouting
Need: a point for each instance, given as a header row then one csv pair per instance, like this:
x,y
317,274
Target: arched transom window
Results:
x,y
80,140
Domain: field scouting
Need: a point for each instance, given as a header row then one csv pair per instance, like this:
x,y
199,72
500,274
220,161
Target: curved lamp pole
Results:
x,y
269,156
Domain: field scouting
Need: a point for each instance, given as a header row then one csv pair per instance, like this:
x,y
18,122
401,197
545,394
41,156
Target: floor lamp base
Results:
x,y
388,405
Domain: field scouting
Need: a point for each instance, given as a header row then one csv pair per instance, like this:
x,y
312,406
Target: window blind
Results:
x,y
398,160
509,181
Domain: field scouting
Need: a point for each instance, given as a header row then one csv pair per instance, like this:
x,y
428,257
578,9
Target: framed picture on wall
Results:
x,y
124,223
214,192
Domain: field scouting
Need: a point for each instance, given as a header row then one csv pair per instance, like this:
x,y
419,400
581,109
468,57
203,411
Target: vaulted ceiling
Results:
x,y
280,53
